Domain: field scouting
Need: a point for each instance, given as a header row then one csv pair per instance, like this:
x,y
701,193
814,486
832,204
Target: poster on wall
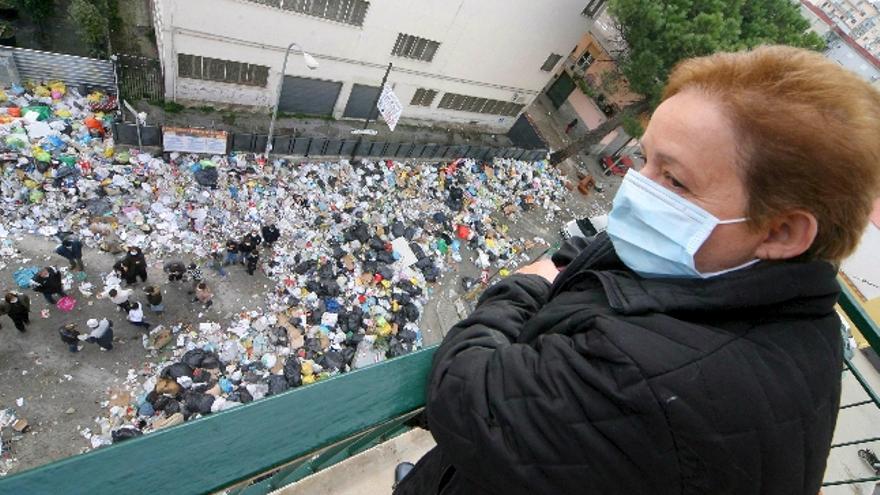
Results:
x,y
390,107
190,140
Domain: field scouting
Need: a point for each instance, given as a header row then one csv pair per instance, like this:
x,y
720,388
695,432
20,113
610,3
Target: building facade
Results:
x,y
478,62
859,19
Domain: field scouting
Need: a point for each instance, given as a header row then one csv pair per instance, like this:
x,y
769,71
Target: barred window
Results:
x,y
593,7
414,47
423,97
346,11
225,71
452,101
551,62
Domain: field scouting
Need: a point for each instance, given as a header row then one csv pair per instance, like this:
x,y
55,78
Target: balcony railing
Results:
x,y
259,447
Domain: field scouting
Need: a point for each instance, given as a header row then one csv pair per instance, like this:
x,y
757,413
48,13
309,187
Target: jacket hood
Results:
x,y
794,288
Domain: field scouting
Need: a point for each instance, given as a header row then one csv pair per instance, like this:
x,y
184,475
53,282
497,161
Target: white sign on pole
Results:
x,y
389,106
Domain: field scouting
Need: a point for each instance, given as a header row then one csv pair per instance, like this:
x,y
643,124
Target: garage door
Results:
x,y
560,90
362,102
308,96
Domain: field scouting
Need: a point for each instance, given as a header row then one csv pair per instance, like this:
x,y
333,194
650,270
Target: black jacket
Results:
x,y
270,233
50,284
609,383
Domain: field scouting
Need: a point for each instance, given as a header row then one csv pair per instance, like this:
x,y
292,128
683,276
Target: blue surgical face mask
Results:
x,y
656,232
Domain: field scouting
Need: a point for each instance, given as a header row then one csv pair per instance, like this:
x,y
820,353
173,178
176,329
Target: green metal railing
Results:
x,y
262,446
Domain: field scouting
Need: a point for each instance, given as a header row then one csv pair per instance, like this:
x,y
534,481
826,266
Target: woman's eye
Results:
x,y
676,184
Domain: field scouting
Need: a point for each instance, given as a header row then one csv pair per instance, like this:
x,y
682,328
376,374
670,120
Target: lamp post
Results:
x,y
311,63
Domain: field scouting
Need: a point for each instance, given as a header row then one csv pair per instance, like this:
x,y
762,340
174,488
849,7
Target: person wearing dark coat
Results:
x,y
18,307
48,282
175,270
101,333
133,265
271,234
70,336
251,261
71,248
693,347
248,243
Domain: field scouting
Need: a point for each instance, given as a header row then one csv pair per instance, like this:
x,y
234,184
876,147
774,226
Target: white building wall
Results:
x,y
489,49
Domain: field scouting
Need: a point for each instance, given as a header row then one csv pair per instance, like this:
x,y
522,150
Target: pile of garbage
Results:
x,y
361,243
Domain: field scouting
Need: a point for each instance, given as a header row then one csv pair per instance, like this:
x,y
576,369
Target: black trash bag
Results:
x,y
193,358
211,361
403,298
348,354
377,244
240,394
424,263
385,257
207,176
354,320
293,371
326,271
305,267
125,433
398,229
167,404
359,231
177,370
409,288
417,250
407,335
329,288
332,361
410,233
410,312
431,274
353,339
397,347
277,384
278,336
198,402
439,217
386,272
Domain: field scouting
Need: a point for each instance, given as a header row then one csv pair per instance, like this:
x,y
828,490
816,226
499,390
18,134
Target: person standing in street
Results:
x,y
70,336
18,307
571,125
251,261
154,297
119,297
175,270
204,295
101,333
48,282
231,252
270,234
249,243
136,316
71,249
136,265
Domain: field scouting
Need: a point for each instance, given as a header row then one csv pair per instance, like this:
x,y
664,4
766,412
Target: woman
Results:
x,y
695,347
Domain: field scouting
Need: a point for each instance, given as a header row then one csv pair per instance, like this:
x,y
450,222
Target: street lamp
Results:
x,y
311,63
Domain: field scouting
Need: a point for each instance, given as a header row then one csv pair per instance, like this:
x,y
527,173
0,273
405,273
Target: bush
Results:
x,y
91,25
38,10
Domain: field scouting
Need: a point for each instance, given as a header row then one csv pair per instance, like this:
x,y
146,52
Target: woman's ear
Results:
x,y
789,235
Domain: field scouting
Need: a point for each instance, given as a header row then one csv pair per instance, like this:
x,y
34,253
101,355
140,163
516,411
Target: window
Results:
x,y
225,71
551,62
414,47
346,11
593,8
585,61
423,97
452,101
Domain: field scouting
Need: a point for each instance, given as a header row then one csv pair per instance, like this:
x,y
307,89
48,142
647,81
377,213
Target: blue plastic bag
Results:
x,y
23,276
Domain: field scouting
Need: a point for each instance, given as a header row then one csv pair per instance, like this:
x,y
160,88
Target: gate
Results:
x,y
560,90
38,66
362,102
308,96
139,78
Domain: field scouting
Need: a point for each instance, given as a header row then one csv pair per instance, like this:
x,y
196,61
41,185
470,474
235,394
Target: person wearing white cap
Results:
x,y
101,333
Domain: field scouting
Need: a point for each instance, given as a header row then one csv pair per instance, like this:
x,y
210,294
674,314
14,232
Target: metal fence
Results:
x,y
139,78
319,146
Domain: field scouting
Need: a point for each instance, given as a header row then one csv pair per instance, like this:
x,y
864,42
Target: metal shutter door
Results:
x,y
362,102
560,90
308,96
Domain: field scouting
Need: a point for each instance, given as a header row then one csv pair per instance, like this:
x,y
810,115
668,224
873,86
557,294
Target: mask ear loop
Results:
x,y
735,220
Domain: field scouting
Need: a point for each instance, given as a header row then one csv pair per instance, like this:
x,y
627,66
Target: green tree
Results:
x,y
658,34
38,10
91,25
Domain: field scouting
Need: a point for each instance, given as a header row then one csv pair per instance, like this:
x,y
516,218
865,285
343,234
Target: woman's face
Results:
x,y
690,148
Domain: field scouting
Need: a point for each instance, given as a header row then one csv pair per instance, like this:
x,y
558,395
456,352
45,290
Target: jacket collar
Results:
x,y
792,288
